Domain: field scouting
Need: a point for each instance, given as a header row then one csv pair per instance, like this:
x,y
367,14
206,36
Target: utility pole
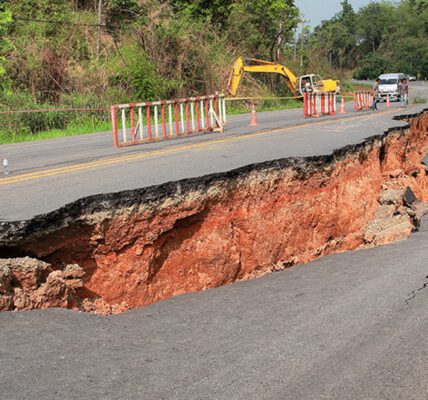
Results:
x,y
295,46
303,22
100,12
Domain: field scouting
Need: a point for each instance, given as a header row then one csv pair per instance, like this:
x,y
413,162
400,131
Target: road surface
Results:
x,y
351,326
48,174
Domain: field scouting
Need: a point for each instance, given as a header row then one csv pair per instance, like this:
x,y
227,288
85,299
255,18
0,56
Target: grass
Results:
x,y
348,87
72,130
235,107
419,100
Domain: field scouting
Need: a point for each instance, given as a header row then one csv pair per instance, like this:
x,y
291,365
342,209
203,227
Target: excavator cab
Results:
x,y
317,84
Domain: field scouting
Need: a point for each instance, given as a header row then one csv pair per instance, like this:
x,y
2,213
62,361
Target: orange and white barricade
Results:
x,y
363,100
317,104
163,119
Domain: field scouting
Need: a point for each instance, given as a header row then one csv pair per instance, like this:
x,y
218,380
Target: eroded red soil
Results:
x,y
242,226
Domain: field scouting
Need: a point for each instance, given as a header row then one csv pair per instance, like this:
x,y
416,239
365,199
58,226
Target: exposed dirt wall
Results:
x,y
137,247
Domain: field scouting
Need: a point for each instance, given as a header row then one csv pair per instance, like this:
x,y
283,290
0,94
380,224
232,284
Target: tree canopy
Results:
x,y
380,37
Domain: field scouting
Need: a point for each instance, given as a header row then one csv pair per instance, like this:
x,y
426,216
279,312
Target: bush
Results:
x,y
136,74
24,124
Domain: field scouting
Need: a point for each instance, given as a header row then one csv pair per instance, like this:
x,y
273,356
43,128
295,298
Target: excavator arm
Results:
x,y
243,65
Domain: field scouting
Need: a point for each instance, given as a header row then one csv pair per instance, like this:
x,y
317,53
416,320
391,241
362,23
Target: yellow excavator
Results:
x,y
297,85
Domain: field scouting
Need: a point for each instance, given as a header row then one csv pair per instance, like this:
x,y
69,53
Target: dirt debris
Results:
x,y
27,284
398,215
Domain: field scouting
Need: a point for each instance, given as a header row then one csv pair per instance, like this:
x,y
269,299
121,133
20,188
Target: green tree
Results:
x,y
215,11
336,38
371,66
382,36
119,14
257,26
406,45
5,45
374,21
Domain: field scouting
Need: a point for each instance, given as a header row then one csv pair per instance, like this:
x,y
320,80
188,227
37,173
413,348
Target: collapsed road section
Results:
x,y
108,253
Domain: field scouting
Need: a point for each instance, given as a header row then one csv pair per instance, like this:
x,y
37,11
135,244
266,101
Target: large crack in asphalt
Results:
x,y
111,252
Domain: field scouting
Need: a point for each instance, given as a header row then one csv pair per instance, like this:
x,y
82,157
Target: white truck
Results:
x,y
388,86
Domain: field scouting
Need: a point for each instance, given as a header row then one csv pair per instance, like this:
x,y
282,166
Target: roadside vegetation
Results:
x,y
53,53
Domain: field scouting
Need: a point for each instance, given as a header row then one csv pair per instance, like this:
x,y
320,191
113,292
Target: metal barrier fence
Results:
x,y
316,104
164,119
363,100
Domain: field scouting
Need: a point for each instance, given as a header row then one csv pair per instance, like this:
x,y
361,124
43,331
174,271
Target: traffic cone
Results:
x,y
253,117
388,102
342,106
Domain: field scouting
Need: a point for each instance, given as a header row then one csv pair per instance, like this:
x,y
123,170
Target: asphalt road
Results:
x,y
347,326
351,326
48,174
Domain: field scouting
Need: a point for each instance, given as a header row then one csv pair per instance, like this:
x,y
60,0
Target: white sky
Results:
x,y
317,10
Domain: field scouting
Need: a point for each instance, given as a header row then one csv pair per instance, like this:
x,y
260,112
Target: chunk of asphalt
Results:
x,y
409,197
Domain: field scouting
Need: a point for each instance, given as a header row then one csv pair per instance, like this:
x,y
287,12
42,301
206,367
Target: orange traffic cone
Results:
x,y
253,118
342,106
388,102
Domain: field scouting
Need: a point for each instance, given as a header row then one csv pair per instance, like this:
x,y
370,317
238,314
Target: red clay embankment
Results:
x,y
134,248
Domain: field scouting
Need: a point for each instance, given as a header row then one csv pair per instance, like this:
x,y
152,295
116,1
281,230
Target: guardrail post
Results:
x,y
171,131
177,123
202,115
207,114
163,120
224,118
192,114
187,117
124,125
216,104
210,102
198,120
156,117
149,123
140,122
183,129
114,126
131,117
